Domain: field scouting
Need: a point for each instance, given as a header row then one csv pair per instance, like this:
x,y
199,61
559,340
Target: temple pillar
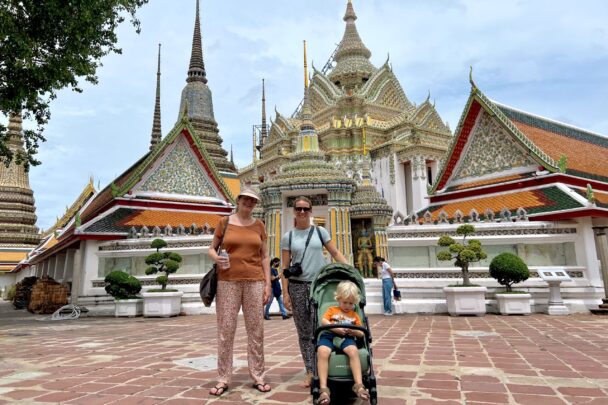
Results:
x,y
273,206
399,201
419,183
601,243
339,221
77,274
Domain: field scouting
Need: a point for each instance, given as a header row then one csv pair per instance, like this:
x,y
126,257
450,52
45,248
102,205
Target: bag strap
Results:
x,y
218,248
307,242
320,236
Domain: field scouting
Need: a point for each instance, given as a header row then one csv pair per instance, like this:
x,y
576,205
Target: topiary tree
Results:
x,y
122,286
162,262
509,269
462,253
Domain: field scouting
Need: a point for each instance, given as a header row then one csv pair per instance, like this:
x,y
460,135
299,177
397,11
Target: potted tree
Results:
x,y
124,288
162,301
509,269
465,298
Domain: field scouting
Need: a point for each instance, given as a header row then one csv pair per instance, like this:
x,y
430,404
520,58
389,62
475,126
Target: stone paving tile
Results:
x,y
418,360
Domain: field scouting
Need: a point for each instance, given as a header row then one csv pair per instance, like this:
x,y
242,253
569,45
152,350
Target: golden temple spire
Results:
x,y
264,130
156,127
305,70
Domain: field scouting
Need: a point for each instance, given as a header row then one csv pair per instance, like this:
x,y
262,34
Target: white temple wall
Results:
x,y
381,178
412,250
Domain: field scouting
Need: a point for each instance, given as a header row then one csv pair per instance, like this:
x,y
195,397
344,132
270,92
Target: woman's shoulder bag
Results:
x,y
208,286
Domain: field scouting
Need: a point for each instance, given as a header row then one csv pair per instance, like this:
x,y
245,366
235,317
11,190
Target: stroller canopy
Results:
x,y
334,273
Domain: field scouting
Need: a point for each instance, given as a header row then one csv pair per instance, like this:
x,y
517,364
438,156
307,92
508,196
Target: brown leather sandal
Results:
x,y
361,392
324,397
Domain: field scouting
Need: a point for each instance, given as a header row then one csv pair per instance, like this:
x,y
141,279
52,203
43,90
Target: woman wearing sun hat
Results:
x,y
243,283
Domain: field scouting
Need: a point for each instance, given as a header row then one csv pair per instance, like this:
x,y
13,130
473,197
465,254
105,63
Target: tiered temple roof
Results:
x,y
505,164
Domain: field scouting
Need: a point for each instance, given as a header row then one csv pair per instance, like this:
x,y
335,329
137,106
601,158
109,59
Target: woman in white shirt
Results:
x,y
388,283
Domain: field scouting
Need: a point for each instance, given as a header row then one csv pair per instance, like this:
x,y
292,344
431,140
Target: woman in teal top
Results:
x,y
296,288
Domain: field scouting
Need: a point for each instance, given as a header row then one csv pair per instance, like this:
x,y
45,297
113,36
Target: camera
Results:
x,y
293,271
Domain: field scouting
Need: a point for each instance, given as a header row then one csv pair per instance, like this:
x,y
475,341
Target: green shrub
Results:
x,y
162,262
462,253
509,269
122,286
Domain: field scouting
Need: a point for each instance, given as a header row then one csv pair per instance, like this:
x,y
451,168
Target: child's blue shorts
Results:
x,y
327,339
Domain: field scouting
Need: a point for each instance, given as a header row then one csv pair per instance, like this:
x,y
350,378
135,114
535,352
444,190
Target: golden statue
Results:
x,y
364,255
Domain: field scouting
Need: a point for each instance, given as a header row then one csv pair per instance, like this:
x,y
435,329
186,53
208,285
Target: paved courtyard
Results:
x,y
419,360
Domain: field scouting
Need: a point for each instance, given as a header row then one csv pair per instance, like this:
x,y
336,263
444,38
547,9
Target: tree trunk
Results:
x,y
465,275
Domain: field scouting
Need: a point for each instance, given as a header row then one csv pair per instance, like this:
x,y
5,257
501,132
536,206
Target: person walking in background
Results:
x,y
243,283
388,283
276,289
304,246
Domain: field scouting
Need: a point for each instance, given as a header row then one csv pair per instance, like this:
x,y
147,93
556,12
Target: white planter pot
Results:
x,y
130,308
513,303
465,300
162,304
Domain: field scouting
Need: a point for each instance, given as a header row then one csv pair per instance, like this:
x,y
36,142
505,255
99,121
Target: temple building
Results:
x,y
178,191
18,231
369,131
531,186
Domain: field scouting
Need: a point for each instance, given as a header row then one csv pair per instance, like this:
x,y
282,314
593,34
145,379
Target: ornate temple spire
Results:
x,y
18,224
352,56
196,71
156,127
306,127
197,104
264,130
231,155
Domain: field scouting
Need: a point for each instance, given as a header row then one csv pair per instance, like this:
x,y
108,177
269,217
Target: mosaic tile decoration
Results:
x,y
180,173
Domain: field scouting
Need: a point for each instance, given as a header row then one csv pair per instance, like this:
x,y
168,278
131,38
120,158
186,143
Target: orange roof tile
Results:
x,y
12,257
538,200
234,185
489,181
173,218
578,152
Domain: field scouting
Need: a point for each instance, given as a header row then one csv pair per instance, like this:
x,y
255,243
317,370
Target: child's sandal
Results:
x,y
324,397
361,392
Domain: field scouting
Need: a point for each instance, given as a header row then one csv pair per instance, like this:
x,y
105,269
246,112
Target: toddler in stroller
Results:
x,y
342,337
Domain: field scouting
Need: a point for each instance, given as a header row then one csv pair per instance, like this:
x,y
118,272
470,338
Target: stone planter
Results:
x,y
128,308
511,304
465,300
162,304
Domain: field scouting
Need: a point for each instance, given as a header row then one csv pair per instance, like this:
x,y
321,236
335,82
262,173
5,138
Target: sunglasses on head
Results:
x,y
302,209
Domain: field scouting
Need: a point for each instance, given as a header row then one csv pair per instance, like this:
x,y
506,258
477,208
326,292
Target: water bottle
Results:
x,y
223,253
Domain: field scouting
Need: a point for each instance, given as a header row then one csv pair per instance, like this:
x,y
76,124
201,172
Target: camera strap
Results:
x,y
305,246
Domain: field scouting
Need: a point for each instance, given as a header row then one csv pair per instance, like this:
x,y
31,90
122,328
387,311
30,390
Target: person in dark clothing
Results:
x,y
276,289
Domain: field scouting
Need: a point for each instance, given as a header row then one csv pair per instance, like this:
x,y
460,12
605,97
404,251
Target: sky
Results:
x,y
547,57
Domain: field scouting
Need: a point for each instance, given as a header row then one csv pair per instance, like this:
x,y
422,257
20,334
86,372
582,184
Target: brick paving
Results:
x,y
419,360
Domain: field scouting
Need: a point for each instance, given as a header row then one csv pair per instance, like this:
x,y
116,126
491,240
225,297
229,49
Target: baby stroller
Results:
x,y
340,377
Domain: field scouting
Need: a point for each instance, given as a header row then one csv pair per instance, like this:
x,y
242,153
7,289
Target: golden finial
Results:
x,y
305,68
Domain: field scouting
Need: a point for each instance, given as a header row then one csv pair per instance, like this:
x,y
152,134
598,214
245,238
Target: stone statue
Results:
x,y
364,255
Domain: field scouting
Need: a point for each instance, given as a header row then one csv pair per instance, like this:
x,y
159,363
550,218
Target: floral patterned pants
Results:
x,y
231,297
302,316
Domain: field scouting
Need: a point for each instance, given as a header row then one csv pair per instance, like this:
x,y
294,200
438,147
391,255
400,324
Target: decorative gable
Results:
x,y
490,149
178,172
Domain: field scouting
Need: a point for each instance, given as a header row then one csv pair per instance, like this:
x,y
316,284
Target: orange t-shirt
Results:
x,y
244,247
336,316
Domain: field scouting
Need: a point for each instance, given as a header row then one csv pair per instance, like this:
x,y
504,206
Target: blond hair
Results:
x,y
347,290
